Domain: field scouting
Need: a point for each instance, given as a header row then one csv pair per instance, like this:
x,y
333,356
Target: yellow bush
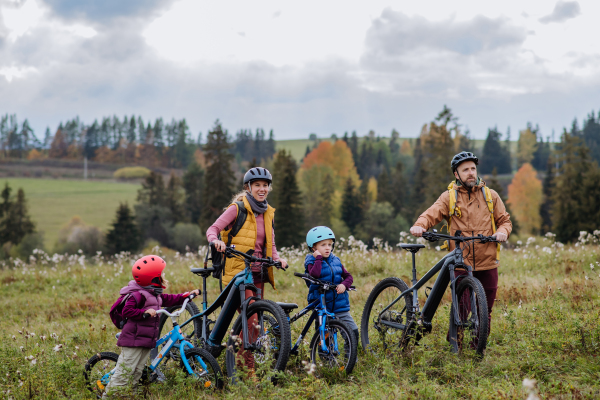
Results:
x,y
131,173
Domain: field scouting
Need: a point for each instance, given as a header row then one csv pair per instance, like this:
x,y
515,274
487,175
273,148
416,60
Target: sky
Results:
x,y
302,67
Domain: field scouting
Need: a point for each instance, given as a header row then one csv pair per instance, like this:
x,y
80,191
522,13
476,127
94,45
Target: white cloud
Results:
x,y
563,10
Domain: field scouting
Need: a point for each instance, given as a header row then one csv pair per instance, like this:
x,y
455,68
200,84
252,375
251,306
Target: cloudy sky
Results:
x,y
303,66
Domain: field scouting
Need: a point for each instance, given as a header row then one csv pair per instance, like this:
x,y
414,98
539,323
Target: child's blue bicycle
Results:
x,y
196,362
333,345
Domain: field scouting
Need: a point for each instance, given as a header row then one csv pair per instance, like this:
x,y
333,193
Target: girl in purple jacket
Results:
x,y
140,333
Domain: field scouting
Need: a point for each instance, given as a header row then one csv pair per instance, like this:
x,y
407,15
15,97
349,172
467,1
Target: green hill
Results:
x,y
52,202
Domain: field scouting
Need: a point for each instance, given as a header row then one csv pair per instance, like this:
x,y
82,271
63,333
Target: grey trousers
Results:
x,y
130,367
347,318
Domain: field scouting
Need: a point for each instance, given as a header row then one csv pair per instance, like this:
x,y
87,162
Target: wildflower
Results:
x,y
54,335
529,384
43,337
520,302
14,337
76,347
586,278
57,347
22,348
592,266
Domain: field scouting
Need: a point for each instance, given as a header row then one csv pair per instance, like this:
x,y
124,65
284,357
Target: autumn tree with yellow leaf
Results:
x,y
525,198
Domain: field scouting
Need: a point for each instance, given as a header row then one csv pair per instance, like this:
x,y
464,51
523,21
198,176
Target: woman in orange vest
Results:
x,y
256,233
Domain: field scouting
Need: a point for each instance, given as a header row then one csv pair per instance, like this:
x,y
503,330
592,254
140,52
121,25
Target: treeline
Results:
x,y
363,186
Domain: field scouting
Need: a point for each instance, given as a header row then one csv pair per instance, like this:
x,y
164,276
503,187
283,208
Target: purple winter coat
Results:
x,y
140,331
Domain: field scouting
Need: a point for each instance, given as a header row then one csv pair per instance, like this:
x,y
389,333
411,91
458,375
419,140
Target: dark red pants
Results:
x,y
489,281
246,357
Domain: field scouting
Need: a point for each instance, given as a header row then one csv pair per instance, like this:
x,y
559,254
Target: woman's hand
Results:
x,y
219,245
340,289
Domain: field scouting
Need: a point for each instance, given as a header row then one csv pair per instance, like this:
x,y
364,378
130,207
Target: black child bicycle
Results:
x,y
392,316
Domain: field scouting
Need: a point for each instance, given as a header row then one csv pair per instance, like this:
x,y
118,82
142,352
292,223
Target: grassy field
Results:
x,y
52,202
545,327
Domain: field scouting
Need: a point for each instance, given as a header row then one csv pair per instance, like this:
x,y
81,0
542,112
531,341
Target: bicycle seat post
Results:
x,y
414,269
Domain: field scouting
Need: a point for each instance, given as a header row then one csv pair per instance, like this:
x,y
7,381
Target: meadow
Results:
x,y
545,327
52,203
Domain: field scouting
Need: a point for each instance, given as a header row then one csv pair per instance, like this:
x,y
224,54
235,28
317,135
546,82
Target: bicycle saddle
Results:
x,y
412,247
202,271
287,307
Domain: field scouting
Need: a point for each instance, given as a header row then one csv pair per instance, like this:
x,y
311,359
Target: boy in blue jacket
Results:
x,y
324,265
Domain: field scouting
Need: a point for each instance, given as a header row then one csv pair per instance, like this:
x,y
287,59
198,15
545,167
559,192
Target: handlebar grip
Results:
x,y
299,275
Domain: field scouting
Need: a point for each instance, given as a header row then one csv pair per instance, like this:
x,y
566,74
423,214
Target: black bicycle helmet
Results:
x,y
258,173
462,157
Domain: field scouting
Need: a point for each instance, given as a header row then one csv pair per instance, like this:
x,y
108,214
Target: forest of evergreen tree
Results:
x,y
367,186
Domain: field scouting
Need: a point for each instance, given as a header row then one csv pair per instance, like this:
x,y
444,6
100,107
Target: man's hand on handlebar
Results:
x,y
417,231
500,236
284,263
219,245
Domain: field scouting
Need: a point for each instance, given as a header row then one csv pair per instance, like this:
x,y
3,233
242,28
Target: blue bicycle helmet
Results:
x,y
317,234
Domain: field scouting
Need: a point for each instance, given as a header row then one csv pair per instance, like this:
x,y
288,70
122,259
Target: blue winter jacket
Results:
x,y
331,271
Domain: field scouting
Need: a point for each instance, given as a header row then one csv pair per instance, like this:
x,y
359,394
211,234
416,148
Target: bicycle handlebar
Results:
x,y
327,285
177,313
230,251
434,237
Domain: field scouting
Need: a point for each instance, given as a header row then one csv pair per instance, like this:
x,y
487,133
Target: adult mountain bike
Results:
x,y
392,315
199,364
270,348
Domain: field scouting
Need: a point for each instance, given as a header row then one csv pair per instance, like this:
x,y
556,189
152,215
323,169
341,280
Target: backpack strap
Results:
x,y
452,210
240,219
487,195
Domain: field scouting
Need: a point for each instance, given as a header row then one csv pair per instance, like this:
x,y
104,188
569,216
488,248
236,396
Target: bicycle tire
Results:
x,y
479,327
279,335
349,344
92,380
401,313
215,379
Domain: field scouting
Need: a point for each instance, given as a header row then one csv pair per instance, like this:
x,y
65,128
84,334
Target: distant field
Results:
x,y
52,202
298,146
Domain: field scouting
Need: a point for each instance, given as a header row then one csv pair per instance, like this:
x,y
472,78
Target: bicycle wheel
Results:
x,y
341,347
96,372
211,377
269,331
469,319
381,331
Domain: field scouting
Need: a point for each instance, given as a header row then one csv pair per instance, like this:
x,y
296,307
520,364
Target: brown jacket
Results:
x,y
474,220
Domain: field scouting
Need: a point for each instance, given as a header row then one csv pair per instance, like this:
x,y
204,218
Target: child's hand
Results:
x,y
317,253
195,292
151,312
341,288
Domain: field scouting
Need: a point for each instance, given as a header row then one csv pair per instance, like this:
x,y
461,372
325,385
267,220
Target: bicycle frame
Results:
x,y
230,299
319,311
446,268
171,338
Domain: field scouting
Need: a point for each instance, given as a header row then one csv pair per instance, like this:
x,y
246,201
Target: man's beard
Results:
x,y
471,184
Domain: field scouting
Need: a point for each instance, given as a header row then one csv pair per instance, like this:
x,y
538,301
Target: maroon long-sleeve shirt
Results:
x,y
314,270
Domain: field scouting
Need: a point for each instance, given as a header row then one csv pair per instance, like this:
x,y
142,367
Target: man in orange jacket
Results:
x,y
472,217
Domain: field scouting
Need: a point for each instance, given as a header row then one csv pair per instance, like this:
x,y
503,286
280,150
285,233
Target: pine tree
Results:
x,y
399,191
547,204
193,184
287,199
352,210
494,155
15,222
219,179
153,190
124,234
495,184
575,196
324,201
384,188
174,199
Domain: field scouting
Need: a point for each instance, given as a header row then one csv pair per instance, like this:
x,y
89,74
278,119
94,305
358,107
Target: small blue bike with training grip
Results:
x,y
198,363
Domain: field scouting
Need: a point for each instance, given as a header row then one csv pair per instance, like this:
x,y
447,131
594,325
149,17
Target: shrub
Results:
x,y
182,235
131,173
30,242
77,235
